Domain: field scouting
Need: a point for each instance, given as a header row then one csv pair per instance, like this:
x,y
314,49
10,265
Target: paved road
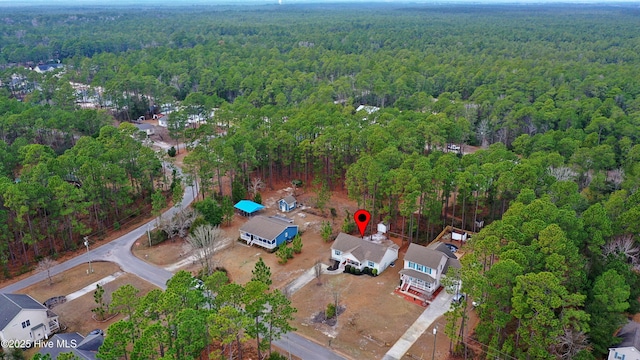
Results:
x,y
305,349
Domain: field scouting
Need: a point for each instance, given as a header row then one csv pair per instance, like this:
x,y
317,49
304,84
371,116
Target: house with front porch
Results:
x,y
361,253
23,318
267,232
424,268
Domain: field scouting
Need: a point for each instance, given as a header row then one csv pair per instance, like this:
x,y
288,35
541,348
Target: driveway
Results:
x,y
436,309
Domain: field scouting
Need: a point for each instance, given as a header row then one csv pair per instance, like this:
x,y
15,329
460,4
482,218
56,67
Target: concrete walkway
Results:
x,y
191,259
92,287
303,280
436,309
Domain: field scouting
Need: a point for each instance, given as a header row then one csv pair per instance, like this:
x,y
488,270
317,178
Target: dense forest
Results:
x,y
551,94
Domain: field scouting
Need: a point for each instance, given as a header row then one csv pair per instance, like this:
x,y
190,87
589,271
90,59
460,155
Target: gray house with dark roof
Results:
x,y
629,347
360,253
267,232
23,318
74,343
424,267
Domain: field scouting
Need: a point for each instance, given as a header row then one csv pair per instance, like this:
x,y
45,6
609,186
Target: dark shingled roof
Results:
x,y
264,227
432,255
361,249
12,304
630,334
84,348
289,199
417,275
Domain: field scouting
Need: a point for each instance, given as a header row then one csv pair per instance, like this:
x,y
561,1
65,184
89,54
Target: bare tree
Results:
x,y
623,245
562,173
570,344
256,185
203,241
317,269
180,223
45,265
616,176
483,133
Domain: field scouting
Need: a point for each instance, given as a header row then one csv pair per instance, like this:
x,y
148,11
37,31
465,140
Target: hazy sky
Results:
x,y
284,2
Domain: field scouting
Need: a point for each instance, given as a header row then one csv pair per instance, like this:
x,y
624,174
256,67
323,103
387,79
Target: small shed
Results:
x,y
287,203
459,236
248,207
146,128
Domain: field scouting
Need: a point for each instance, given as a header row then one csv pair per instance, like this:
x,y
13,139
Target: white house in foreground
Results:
x,y
360,253
23,318
424,268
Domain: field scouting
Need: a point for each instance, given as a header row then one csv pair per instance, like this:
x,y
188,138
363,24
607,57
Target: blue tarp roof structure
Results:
x,y
248,206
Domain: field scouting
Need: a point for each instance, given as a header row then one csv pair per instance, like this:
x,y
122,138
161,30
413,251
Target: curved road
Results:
x,y
119,252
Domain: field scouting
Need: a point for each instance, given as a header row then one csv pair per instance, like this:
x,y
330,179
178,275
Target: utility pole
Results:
x,y
435,332
149,234
86,243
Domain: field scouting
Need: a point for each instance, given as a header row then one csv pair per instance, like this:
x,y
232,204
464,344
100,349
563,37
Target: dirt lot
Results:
x,y
71,280
374,317
76,314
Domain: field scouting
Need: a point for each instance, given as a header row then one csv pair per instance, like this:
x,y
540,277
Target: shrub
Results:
x,y
116,226
347,268
158,236
353,269
276,356
172,151
357,272
366,270
374,272
331,311
197,223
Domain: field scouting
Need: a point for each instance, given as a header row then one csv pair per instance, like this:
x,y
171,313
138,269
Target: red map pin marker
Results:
x,y
362,218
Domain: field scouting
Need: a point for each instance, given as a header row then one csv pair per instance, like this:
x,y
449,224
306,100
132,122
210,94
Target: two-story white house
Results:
x,y
23,318
360,253
424,267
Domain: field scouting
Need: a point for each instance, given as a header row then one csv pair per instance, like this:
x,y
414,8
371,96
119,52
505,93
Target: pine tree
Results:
x,y
261,272
296,244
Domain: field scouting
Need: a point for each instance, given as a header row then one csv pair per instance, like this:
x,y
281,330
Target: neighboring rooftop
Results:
x,y
248,206
266,228
12,304
81,347
630,334
431,255
289,199
368,108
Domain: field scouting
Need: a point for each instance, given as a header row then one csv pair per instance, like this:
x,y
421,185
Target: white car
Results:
x,y
453,147
458,298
